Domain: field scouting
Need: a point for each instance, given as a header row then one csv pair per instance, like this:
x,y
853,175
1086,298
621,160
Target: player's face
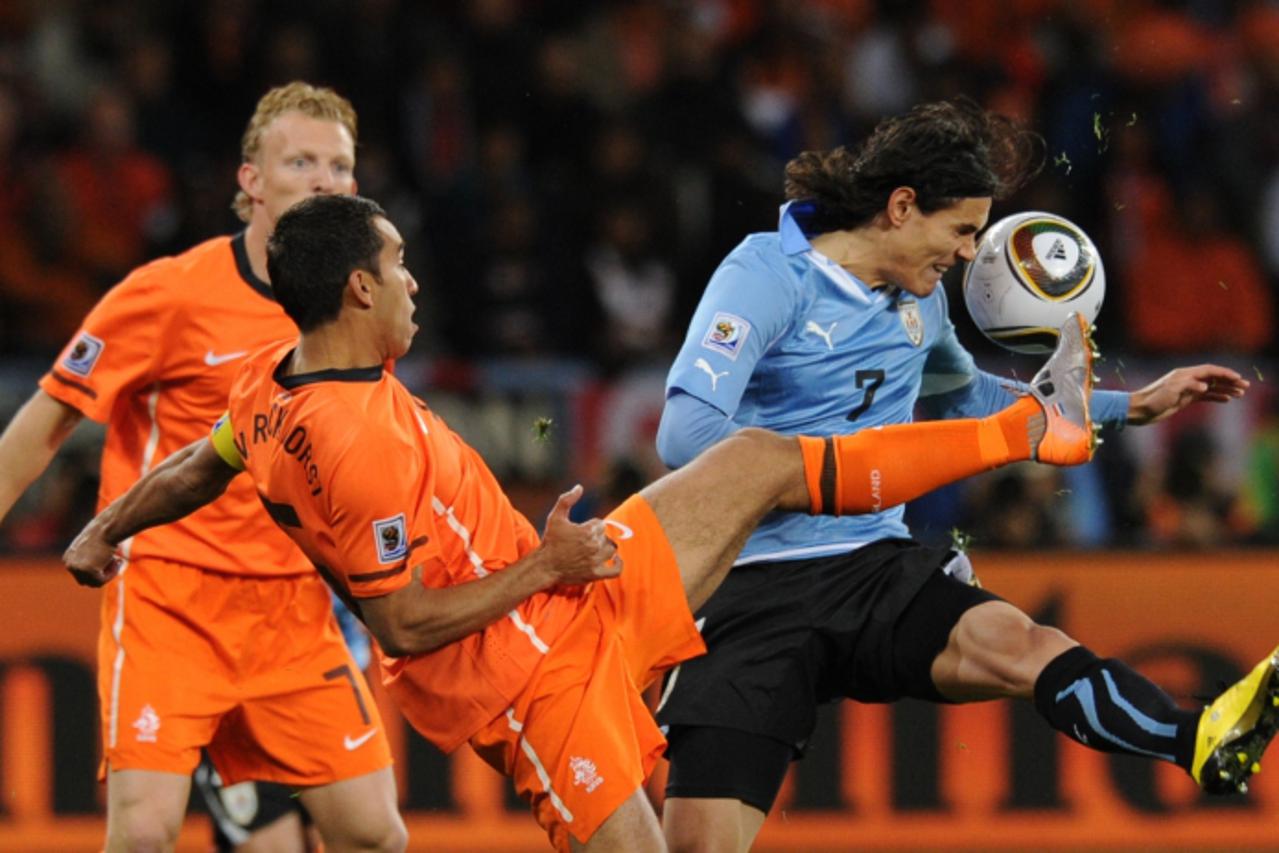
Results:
x,y
299,157
395,305
928,244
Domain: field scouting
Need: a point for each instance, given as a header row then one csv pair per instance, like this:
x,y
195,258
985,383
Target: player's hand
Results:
x,y
91,560
577,553
1177,389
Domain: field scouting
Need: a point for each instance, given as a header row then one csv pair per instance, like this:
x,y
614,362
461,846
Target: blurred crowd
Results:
x,y
569,173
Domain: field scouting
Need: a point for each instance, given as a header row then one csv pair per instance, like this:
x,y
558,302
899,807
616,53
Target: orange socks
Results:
x,y
882,467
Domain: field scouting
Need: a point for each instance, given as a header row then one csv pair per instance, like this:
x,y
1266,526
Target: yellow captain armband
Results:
x,y
223,438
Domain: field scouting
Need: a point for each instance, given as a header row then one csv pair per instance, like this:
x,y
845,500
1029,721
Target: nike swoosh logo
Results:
x,y
623,532
356,742
213,360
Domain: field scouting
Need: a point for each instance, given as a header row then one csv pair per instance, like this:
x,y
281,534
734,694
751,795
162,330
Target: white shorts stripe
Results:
x,y
126,549
542,775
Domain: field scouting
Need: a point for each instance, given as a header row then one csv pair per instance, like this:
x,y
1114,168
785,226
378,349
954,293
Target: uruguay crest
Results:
x,y
912,320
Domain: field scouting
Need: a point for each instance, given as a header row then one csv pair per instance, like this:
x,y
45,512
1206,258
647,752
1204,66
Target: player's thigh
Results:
x,y
709,507
164,679
579,740
632,826
358,813
722,782
764,659
645,606
144,807
307,718
909,627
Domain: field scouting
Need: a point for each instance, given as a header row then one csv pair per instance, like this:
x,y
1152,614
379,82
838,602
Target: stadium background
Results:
x,y
567,175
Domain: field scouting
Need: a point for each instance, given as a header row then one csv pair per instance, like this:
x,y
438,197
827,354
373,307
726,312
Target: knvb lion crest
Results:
x,y
584,773
148,725
912,321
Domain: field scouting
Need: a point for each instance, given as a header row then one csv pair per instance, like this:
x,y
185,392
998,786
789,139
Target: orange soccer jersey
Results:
x,y
370,482
155,359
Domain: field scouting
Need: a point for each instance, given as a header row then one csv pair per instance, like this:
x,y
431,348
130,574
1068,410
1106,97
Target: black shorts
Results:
x,y
239,810
784,637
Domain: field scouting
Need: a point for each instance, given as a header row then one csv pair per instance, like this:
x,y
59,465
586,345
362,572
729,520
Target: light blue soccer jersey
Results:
x,y
786,339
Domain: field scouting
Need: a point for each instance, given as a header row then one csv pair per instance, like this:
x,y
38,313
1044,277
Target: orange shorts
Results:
x,y
254,669
579,739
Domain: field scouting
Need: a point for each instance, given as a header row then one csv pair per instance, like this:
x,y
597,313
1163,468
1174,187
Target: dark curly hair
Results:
x,y
316,245
945,151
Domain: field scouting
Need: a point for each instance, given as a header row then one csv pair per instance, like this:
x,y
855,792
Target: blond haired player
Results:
x,y
216,634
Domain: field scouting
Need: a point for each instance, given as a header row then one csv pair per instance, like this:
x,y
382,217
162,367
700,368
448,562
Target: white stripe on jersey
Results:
x,y
477,563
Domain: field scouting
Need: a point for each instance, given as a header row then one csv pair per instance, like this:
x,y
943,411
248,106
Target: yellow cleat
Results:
x,y
1239,724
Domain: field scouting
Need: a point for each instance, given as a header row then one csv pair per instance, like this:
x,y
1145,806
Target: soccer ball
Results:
x,y
1030,271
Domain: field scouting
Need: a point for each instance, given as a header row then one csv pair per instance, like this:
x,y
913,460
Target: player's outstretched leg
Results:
x,y
1235,730
875,469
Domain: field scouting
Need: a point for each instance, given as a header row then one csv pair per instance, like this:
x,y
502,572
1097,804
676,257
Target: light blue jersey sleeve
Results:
x,y
749,303
689,425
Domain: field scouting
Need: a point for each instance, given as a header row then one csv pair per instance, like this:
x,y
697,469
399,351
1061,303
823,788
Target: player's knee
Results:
x,y
756,440
385,836
722,839
761,452
1008,646
140,829
704,826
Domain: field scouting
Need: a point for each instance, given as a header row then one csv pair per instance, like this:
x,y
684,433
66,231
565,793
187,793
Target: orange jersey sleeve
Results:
x,y
155,360
118,347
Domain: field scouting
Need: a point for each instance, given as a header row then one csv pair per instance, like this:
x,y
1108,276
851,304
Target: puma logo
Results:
x,y
703,365
824,334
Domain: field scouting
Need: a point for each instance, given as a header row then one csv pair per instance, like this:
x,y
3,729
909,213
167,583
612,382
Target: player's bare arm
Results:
x,y
194,476
1178,388
29,443
418,619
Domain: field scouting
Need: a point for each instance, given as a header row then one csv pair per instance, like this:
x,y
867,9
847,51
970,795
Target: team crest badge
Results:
x,y
912,321
726,334
392,539
147,724
83,354
585,774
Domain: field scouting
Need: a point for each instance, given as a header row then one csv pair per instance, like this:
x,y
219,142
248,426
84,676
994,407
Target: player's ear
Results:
x,y
360,285
250,179
901,203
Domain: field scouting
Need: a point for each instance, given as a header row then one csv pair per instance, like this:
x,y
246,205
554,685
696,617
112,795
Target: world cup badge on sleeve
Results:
x,y
727,334
82,355
391,537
